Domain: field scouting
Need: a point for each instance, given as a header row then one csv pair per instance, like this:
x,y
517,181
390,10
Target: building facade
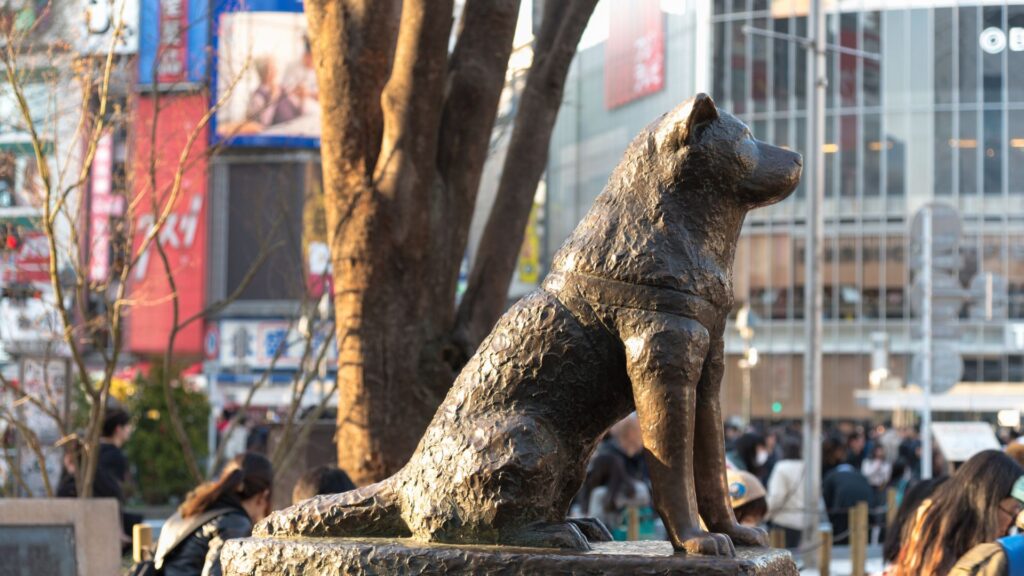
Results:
x,y
937,117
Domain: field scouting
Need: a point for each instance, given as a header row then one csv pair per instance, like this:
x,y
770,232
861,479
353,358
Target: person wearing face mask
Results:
x,y
843,488
191,540
750,454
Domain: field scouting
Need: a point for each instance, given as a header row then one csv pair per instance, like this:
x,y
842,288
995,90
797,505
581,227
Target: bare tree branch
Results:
x,y
495,260
412,106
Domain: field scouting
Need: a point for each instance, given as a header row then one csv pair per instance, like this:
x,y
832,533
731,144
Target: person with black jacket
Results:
x,y
191,540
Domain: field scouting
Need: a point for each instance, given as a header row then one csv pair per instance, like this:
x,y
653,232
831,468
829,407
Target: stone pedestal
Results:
x,y
365,556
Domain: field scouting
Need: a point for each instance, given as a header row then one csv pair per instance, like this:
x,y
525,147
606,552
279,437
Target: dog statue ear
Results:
x,y
685,123
702,112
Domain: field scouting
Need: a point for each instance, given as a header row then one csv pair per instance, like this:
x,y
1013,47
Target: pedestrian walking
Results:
x,y
112,471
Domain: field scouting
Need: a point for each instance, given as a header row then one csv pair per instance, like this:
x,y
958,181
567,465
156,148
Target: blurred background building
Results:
x,y
938,118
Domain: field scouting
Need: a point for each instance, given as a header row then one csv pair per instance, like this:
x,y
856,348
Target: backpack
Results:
x,y
148,567
1013,546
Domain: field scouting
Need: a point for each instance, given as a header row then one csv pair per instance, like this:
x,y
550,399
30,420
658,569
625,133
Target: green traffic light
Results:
x,y
776,407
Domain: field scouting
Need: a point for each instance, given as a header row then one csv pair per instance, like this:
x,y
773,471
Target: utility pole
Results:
x,y
814,175
926,344
817,82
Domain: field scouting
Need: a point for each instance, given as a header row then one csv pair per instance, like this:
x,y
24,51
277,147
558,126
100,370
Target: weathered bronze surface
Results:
x,y
330,557
631,317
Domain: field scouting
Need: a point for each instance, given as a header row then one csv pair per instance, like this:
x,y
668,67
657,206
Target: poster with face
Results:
x,y
266,80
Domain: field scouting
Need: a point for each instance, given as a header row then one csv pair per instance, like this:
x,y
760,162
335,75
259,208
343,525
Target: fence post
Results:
x,y
890,506
633,527
858,537
825,551
142,542
777,538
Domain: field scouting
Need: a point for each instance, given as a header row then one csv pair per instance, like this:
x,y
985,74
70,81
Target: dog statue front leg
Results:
x,y
712,490
664,356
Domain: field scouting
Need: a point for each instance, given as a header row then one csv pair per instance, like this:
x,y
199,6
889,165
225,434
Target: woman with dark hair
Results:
x,y
897,533
973,507
750,453
191,540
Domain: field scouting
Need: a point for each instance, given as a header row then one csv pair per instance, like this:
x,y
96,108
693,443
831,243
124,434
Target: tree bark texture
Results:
x,y
405,132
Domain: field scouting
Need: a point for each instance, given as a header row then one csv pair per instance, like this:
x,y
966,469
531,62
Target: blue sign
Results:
x,y
173,35
263,77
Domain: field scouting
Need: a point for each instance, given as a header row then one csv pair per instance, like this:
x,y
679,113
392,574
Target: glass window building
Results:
x,y
938,117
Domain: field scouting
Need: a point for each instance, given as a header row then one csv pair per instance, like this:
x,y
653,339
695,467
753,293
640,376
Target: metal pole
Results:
x,y
20,440
744,364
926,342
211,432
816,84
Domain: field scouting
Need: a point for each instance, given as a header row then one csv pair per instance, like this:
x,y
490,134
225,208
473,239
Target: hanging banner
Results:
x,y
183,234
173,35
103,204
634,64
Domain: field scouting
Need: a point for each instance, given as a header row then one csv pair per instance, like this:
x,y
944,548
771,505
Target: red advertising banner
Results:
x,y
183,235
634,64
102,205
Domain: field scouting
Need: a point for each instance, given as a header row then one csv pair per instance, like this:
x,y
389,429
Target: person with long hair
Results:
x,y
191,540
973,507
898,532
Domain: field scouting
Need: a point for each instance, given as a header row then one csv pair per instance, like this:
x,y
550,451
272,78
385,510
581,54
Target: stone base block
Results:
x,y
366,556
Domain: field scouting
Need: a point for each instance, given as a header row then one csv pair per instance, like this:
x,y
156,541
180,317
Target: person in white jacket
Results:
x,y
877,469
786,492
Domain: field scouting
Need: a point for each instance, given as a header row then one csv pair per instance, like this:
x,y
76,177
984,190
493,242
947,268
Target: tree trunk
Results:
x,y
405,133
495,261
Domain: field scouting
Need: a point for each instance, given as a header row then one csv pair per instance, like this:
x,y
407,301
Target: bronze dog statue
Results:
x,y
630,317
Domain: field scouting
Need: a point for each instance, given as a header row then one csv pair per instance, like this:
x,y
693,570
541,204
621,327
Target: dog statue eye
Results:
x,y
746,153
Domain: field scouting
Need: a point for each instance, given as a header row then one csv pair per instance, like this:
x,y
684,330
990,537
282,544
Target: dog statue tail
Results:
x,y
372,510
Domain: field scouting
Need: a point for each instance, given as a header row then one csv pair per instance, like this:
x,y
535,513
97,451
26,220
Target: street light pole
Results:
x,y
817,82
744,325
926,343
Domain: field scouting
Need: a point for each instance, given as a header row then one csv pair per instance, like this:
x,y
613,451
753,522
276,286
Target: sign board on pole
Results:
x,y
936,296
961,440
947,366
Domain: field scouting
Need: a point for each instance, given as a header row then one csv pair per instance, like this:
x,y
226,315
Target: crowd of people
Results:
x,y
956,522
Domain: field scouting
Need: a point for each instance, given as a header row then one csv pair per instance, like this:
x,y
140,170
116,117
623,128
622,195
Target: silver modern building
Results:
x,y
937,117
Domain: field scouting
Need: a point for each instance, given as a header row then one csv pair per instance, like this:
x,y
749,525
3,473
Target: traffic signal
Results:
x,y
10,239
